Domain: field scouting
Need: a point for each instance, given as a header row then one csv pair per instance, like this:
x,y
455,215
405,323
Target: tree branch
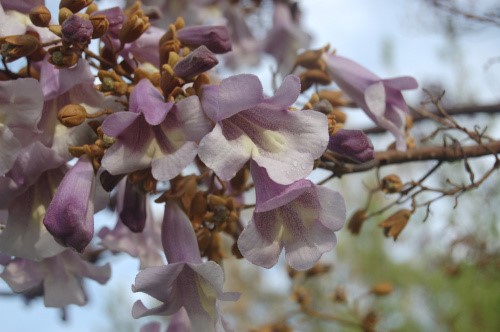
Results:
x,y
462,110
438,153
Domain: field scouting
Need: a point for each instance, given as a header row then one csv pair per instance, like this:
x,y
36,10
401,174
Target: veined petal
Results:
x,y
24,234
401,83
178,237
10,146
158,281
191,119
375,99
116,123
237,93
21,103
133,151
259,242
172,164
55,82
280,138
146,99
225,156
287,93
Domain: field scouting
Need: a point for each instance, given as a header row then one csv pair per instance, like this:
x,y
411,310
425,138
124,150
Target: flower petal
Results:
x,y
146,99
259,243
238,93
225,156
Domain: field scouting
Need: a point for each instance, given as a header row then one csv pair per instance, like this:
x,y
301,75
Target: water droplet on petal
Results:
x,y
295,163
303,166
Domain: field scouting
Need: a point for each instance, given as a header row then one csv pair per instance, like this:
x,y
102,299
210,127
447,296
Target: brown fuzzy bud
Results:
x,y
16,47
318,270
339,295
92,8
382,289
356,222
75,5
391,184
311,59
323,106
56,29
133,27
312,76
72,115
394,225
40,16
100,24
64,14
335,97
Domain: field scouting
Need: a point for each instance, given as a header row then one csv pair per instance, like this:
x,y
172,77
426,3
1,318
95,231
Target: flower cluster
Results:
x,y
160,122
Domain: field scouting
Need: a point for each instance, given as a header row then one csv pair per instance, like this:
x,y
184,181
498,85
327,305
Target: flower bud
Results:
x,y
353,144
40,16
391,184
77,29
16,47
215,38
335,97
72,115
64,14
100,24
313,76
75,5
70,215
133,27
197,62
394,225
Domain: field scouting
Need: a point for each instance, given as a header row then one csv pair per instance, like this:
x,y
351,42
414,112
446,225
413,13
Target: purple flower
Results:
x,y
186,282
250,126
215,38
76,29
286,36
70,215
353,144
302,218
154,134
60,277
381,99
23,6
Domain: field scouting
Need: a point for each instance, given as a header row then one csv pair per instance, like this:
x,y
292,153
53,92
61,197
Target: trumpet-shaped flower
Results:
x,y
302,218
381,99
59,277
154,134
251,126
186,282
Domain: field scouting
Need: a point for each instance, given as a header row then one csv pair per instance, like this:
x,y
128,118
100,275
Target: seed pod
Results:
x,y
134,27
75,5
100,24
394,225
391,184
382,289
356,222
16,47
